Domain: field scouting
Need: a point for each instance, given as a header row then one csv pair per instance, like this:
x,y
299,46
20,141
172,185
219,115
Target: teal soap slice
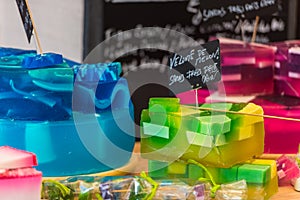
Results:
x,y
259,174
156,130
214,125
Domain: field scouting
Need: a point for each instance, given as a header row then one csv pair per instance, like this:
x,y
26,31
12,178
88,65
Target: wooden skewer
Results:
x,y
255,29
242,113
34,29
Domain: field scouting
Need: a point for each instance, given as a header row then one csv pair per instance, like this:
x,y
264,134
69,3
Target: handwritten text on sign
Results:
x,y
27,23
215,10
197,67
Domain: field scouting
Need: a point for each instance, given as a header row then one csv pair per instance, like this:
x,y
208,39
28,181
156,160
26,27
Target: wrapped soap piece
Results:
x,y
235,190
177,190
209,137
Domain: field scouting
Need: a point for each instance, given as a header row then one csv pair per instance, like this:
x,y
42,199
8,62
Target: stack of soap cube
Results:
x,y
18,180
224,142
170,131
259,174
247,69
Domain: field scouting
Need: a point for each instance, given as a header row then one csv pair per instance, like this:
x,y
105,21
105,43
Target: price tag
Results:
x,y
195,67
25,15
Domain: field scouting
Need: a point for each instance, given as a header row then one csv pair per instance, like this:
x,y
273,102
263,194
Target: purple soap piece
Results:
x,y
294,56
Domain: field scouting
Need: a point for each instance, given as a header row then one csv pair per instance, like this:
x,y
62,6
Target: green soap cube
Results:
x,y
228,175
214,125
223,175
199,139
157,169
177,168
195,172
259,174
156,130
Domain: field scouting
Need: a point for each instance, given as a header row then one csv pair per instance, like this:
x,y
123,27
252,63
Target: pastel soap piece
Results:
x,y
260,174
214,124
11,158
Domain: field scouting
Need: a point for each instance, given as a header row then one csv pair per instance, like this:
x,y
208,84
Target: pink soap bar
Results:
x,y
23,184
281,136
18,180
11,158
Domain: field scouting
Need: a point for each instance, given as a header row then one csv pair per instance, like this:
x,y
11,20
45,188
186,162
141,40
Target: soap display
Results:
x,y
260,176
18,178
77,120
171,131
246,68
286,68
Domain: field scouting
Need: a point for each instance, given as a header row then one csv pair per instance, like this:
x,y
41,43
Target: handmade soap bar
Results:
x,y
247,69
206,136
18,180
75,119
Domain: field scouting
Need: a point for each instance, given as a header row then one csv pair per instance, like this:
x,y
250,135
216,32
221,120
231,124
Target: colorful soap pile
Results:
x,y
176,137
18,178
65,112
170,131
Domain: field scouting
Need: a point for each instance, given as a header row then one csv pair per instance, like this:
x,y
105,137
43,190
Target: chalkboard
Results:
x,y
195,67
27,23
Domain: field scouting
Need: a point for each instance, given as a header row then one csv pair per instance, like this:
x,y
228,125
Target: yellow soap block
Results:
x,y
253,115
